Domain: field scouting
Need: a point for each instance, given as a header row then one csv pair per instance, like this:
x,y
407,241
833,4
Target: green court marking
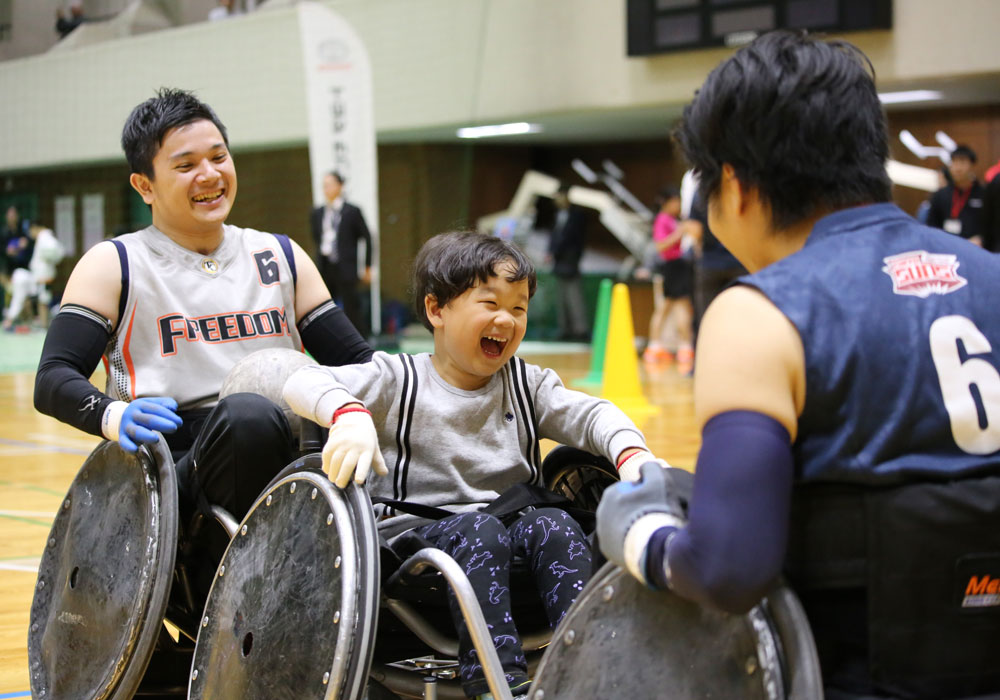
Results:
x,y
42,489
21,351
39,489
30,521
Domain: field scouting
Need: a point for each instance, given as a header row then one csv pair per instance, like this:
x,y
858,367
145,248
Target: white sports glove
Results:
x,y
629,469
352,448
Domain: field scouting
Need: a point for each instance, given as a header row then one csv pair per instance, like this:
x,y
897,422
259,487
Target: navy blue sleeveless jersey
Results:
x,y
901,329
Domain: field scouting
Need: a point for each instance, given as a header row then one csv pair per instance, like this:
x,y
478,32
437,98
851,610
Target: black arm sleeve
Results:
x,y
331,338
73,346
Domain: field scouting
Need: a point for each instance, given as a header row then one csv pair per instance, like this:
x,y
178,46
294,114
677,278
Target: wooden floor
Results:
x,y
39,458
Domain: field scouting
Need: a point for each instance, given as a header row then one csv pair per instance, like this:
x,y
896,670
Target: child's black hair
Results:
x,y
450,263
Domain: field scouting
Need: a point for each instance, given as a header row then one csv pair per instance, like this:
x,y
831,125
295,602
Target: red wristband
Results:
x,y
625,459
348,409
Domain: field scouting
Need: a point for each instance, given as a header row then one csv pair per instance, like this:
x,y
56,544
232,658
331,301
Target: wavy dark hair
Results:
x,y
150,121
450,263
798,119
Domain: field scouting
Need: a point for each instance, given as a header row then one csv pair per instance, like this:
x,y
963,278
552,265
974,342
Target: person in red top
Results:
x,y
993,171
958,207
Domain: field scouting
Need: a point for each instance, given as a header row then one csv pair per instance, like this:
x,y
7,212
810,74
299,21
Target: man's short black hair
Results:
x,y
964,151
798,119
150,121
335,174
450,263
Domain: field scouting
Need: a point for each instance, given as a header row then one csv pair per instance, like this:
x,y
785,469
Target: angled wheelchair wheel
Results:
x,y
578,475
656,644
105,576
294,605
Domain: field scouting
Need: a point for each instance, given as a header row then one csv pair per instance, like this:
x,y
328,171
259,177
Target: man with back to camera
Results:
x,y
847,391
958,206
337,227
174,306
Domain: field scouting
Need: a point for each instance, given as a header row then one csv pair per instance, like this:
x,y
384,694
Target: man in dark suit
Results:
x,y
565,250
336,228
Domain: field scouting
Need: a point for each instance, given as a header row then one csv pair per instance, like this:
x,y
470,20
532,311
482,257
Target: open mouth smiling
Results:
x,y
208,197
492,346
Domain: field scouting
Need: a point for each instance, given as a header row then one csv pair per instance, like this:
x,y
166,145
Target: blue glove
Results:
x,y
630,512
133,423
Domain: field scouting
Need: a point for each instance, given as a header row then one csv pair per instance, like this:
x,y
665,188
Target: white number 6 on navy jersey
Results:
x,y
957,378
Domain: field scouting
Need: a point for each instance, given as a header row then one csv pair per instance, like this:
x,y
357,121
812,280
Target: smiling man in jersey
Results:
x,y
173,307
847,391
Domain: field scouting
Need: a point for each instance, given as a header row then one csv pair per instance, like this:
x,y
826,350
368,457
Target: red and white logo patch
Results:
x,y
920,274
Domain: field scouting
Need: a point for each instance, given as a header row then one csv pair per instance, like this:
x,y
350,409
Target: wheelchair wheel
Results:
x,y
104,577
657,644
578,475
293,608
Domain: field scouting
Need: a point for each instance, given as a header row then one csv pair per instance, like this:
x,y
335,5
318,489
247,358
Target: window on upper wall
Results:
x,y
660,26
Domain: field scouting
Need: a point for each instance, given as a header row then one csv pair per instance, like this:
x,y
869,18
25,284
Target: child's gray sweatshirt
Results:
x,y
459,449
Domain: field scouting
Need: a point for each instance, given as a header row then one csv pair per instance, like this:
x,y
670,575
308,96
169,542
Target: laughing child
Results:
x,y
460,426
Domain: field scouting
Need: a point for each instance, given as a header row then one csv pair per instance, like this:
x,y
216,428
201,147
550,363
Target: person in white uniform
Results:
x,y
173,307
33,281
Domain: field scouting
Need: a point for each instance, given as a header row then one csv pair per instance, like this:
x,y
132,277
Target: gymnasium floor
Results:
x,y
40,456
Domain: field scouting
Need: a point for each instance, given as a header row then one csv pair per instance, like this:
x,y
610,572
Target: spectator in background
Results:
x,y
991,215
993,171
64,24
943,180
565,250
10,226
33,281
17,245
958,207
673,284
991,209
337,227
224,10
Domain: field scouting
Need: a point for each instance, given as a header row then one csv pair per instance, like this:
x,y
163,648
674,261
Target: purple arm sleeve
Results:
x,y
733,547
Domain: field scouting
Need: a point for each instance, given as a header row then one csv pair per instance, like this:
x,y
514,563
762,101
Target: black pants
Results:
x,y
227,455
237,448
556,549
344,290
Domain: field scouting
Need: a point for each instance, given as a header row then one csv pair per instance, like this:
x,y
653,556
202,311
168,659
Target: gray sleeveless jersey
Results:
x,y
187,318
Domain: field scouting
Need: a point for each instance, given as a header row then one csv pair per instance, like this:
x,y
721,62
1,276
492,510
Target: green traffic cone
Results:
x,y
599,341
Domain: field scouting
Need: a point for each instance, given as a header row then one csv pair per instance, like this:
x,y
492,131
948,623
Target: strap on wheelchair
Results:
x,y
418,509
506,507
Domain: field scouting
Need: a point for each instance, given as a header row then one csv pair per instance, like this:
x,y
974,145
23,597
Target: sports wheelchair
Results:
x,y
298,606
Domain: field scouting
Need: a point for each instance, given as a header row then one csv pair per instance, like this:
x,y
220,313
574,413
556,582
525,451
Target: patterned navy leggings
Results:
x,y
557,551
